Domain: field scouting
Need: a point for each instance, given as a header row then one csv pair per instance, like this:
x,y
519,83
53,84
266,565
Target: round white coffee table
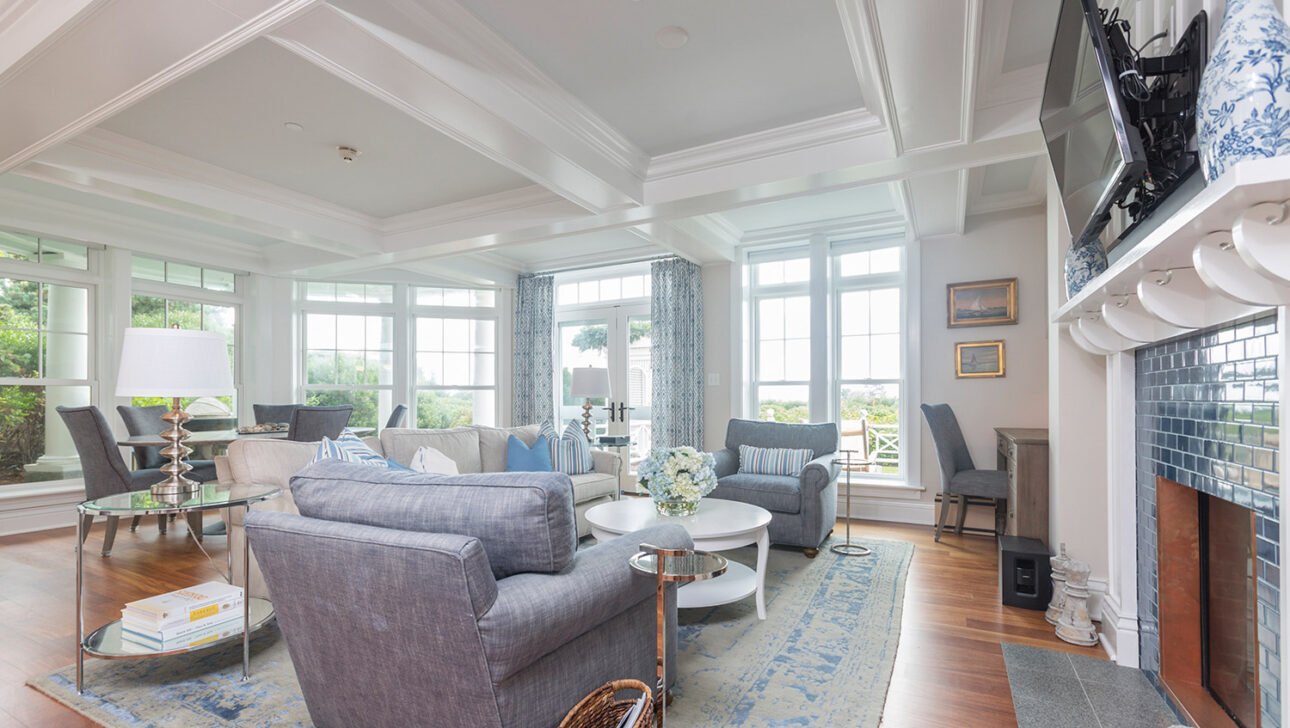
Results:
x,y
720,525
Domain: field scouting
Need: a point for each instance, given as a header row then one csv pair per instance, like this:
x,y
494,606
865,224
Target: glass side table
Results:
x,y
672,566
848,464
107,641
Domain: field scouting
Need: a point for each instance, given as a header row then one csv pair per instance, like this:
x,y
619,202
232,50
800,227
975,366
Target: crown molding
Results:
x,y
831,129
30,27
968,78
864,42
881,225
485,206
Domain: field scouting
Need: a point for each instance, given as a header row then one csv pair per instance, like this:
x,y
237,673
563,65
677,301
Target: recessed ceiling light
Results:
x,y
293,126
673,36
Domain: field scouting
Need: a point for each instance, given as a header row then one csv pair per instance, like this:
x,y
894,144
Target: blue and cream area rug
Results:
x,y
823,657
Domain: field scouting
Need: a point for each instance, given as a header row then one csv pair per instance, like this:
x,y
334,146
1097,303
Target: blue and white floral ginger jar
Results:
x,y
1243,109
1083,264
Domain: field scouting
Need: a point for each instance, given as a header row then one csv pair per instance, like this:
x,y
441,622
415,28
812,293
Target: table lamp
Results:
x,y
174,363
589,383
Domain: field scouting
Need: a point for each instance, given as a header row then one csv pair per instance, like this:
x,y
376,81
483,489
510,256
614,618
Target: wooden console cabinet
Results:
x,y
1023,453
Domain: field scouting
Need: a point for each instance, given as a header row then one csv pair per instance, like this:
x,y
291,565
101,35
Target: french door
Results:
x,y
616,338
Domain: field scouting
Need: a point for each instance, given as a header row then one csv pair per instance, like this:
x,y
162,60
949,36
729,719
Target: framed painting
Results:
x,y
974,359
982,303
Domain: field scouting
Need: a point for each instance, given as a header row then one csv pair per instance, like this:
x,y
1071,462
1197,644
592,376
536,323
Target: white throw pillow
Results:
x,y
429,460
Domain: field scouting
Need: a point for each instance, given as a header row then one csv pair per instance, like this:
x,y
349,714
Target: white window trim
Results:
x,y
477,313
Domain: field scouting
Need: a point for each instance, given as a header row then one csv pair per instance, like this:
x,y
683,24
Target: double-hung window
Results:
x,y
781,326
349,349
455,345
45,343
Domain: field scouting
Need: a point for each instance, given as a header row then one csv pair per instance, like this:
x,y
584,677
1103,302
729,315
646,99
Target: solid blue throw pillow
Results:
x,y
521,458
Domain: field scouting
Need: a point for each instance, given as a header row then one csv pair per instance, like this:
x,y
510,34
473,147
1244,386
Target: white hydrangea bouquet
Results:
x,y
677,478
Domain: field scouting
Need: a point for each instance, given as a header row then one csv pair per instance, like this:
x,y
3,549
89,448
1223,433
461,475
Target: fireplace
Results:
x,y
1208,615
1208,512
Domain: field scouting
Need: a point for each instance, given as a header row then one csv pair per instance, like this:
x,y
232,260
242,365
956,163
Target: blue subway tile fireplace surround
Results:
x,y
1207,418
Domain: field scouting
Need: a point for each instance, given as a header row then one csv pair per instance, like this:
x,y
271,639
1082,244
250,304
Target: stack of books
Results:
x,y
183,618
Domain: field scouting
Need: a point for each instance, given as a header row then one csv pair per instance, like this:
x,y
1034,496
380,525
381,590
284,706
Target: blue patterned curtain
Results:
x,y
532,399
676,309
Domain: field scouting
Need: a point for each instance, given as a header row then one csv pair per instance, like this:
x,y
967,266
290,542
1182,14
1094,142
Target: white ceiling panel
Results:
x,y
232,114
1030,34
749,65
1007,185
860,201
925,64
1007,177
934,202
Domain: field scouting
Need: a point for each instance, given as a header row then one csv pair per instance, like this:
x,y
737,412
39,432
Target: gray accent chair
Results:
x,y
103,469
147,421
456,601
803,509
311,424
396,417
266,414
961,482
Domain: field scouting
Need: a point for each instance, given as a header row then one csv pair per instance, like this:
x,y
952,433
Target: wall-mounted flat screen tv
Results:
x,y
1097,156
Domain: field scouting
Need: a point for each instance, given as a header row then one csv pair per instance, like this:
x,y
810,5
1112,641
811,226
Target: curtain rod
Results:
x,y
573,269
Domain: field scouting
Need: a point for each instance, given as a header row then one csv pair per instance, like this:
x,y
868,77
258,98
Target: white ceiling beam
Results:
x,y
693,244
26,25
117,167
864,41
102,61
931,161
451,95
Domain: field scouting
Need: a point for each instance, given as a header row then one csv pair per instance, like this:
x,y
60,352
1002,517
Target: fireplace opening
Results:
x,y
1229,666
1207,600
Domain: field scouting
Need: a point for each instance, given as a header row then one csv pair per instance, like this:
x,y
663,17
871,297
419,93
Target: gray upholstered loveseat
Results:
x,y
803,509
474,449
417,600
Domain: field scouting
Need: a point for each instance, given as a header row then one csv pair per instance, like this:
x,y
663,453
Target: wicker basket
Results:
x,y
600,710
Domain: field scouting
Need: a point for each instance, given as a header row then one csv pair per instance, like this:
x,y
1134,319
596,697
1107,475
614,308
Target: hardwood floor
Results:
x,y
949,668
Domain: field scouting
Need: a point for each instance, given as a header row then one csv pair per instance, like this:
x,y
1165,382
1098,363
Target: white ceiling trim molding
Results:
x,y
1034,194
197,32
864,41
473,209
456,27
849,226
1023,84
69,221
478,112
692,244
714,227
996,87
1027,144
26,26
971,57
844,126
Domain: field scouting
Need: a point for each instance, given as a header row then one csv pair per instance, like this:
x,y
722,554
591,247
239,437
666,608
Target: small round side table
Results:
x,y
849,463
677,566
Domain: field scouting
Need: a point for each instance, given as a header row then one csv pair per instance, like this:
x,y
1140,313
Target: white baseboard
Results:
x,y
24,509
894,510
1119,635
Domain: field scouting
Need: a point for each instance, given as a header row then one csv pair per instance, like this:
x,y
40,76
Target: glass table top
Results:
x,y
209,496
693,566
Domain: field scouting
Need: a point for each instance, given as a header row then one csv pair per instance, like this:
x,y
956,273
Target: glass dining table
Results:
x,y
217,437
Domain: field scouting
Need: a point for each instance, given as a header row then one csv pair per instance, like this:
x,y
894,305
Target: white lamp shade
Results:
x,y
589,383
173,363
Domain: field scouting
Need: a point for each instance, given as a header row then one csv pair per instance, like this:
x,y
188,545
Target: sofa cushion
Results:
x,y
781,493
271,462
524,520
461,444
492,444
593,485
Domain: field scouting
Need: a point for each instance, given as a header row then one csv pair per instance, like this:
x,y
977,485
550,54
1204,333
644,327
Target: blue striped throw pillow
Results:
x,y
773,460
571,452
349,448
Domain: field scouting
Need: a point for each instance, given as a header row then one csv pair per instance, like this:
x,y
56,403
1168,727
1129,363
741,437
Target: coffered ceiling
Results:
x,y
501,137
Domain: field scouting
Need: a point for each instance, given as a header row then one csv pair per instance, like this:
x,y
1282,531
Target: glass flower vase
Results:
x,y
675,506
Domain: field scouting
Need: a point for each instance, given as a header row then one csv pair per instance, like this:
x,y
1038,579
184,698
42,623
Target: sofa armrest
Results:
x,y
536,613
727,462
818,473
607,463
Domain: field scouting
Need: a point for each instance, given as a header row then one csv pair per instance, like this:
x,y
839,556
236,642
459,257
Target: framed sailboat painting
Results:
x,y
982,303
978,359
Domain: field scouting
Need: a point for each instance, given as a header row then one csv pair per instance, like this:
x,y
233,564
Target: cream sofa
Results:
x,y
475,449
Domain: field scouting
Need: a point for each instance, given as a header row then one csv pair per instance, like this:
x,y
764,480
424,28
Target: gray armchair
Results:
x,y
465,603
803,509
960,480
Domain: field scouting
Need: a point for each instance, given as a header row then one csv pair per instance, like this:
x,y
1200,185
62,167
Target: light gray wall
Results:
x,y
1003,245
720,348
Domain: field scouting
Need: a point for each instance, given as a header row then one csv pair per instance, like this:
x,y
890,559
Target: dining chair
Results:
x,y
311,424
960,480
273,413
103,469
147,421
396,417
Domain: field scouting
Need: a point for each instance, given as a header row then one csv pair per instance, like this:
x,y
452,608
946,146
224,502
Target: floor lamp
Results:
x,y
174,363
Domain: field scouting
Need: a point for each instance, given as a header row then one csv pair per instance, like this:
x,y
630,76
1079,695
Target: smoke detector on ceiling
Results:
x,y
348,154
672,37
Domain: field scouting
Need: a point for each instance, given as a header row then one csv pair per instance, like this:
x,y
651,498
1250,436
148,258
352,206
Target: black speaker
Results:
x,y
1025,574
